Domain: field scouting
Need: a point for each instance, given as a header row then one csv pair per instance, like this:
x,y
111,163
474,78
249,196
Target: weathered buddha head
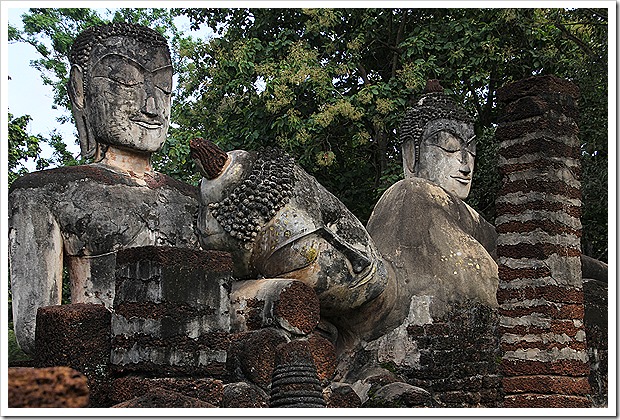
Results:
x,y
120,87
438,142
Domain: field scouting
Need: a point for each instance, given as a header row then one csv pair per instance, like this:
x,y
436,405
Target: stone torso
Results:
x,y
100,211
436,244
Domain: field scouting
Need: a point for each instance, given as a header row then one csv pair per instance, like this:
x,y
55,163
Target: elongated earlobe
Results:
x,y
75,87
409,158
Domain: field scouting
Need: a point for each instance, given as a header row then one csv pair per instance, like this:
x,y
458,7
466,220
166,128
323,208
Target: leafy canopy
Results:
x,y
331,85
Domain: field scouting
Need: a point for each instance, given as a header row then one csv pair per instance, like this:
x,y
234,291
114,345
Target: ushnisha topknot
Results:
x,y
432,105
84,42
210,159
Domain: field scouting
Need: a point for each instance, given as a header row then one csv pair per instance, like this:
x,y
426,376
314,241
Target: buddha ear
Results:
x,y
75,89
409,162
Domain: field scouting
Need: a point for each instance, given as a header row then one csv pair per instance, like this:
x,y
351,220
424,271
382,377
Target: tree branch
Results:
x,y
399,37
363,74
576,40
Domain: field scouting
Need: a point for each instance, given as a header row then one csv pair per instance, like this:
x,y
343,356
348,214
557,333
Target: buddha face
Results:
x,y
447,153
127,101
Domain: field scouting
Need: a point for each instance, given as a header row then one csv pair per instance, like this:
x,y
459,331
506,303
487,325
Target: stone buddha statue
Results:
x,y
279,222
76,218
433,243
438,142
423,253
437,250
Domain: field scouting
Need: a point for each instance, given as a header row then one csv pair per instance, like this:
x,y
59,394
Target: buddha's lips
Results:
x,y
462,180
148,124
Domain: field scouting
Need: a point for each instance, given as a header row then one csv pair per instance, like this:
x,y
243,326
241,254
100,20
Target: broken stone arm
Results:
x,y
35,264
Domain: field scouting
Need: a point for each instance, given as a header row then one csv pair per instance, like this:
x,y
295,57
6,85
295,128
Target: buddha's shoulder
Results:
x,y
95,175
418,190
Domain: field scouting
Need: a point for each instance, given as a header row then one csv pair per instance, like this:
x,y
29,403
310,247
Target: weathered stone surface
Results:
x,y
596,328
210,159
341,395
531,106
438,121
278,222
244,395
546,401
283,303
444,245
251,355
295,382
172,312
365,377
164,398
130,387
546,385
77,335
438,319
400,394
594,269
60,387
324,356
78,217
534,86
540,293
459,353
47,225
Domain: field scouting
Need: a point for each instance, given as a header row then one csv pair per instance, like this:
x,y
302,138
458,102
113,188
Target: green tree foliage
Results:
x,y
24,147
331,85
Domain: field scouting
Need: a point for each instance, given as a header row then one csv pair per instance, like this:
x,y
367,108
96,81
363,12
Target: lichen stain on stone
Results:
x,y
310,254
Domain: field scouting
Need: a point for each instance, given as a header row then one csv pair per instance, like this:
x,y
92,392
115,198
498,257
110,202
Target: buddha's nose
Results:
x,y
465,160
149,107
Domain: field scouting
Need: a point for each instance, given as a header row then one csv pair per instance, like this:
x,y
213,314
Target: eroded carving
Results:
x,y
278,221
120,89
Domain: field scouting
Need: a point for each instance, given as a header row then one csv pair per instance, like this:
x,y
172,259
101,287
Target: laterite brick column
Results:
x,y
544,362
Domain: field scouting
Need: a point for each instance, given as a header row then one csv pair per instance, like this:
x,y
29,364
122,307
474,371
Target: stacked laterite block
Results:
x,y
171,312
78,336
458,357
544,362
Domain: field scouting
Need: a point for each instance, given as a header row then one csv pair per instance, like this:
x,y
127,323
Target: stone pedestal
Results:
x,y
544,362
171,312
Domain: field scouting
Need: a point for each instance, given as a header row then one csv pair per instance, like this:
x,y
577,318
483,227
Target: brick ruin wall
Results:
x,y
543,339
459,357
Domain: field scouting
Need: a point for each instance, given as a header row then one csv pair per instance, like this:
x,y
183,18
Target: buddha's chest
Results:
x,y
95,219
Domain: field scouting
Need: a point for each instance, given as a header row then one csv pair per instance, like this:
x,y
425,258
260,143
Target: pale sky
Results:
x,y
26,92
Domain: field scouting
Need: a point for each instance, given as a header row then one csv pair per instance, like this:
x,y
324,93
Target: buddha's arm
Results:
x,y
35,263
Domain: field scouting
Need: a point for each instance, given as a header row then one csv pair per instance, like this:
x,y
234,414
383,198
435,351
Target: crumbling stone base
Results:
x,y
171,312
459,357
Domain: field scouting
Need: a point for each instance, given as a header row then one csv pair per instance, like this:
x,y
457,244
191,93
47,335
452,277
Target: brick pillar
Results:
x,y
544,362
